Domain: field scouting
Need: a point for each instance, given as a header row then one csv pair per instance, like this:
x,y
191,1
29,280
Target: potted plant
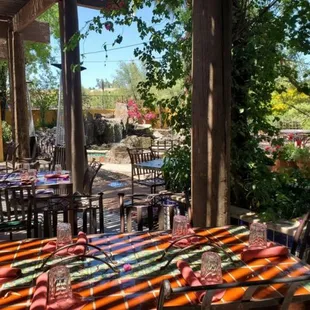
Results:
x,y
285,158
302,157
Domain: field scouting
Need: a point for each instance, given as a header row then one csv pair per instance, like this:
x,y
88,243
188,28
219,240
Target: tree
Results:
x,y
100,84
38,55
44,94
128,76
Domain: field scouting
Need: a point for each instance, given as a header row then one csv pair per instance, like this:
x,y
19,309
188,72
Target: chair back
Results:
x,y
11,154
59,157
302,239
89,177
58,209
160,147
17,206
139,155
246,302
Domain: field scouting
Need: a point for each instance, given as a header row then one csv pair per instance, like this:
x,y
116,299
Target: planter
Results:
x,y
301,164
280,163
282,231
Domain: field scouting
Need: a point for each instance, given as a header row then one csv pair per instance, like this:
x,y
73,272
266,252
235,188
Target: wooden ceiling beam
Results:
x,y
29,12
103,4
35,32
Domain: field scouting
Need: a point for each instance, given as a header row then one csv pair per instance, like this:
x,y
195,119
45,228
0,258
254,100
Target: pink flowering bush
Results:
x,y
136,114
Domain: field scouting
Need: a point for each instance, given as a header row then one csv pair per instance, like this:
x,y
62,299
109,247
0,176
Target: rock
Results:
x,y
118,132
109,134
157,134
118,154
121,112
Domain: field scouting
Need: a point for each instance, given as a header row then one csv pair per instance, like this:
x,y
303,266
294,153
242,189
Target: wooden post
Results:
x,y
1,140
66,98
73,94
211,101
10,66
20,96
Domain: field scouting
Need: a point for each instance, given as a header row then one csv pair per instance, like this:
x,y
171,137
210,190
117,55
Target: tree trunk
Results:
x,y
211,103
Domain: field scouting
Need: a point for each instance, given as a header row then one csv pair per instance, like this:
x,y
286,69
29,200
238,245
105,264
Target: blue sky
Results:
x,y
95,62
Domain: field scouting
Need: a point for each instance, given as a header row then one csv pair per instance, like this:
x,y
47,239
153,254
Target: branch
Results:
x,y
300,88
255,20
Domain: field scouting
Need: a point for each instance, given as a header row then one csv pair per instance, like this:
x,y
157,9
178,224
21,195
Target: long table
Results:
x,y
139,288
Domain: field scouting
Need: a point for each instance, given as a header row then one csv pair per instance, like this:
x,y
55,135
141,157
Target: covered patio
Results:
x,y
211,265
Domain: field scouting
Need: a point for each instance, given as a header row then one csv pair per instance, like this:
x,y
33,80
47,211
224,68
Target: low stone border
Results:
x,y
282,231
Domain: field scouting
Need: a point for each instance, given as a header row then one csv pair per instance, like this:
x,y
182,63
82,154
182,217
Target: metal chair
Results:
x,y
246,302
143,176
89,177
10,157
16,210
59,157
160,147
302,239
138,203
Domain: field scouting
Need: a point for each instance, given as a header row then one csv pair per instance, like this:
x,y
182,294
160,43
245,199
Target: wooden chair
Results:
x,y
302,239
16,210
246,302
143,176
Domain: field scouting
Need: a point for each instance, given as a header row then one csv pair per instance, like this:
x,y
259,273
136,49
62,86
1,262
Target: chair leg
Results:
x,y
84,216
129,219
150,216
139,219
171,215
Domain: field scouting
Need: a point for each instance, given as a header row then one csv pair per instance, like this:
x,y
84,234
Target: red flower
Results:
x,y
108,26
278,147
290,136
298,142
267,148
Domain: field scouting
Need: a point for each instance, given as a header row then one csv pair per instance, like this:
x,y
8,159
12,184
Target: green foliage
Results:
x,y
176,169
287,152
6,132
44,95
301,154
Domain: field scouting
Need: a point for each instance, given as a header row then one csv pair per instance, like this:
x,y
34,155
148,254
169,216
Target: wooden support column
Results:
x,y
211,102
66,98
73,94
20,96
10,66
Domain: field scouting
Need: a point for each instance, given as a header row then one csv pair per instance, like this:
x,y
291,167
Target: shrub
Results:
x,y
6,132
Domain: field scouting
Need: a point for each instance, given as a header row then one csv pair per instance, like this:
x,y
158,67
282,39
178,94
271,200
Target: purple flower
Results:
x,y
127,267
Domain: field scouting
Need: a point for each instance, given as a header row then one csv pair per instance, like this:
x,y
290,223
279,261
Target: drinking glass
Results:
x,y
258,236
32,173
59,284
180,226
211,269
64,236
58,169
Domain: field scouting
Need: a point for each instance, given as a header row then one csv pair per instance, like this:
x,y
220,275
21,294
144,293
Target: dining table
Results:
x,y
137,286
43,179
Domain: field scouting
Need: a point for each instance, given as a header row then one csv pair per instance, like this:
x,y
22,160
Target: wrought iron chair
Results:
x,y
59,157
10,156
302,239
246,302
143,176
159,146
16,210
138,203
89,177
